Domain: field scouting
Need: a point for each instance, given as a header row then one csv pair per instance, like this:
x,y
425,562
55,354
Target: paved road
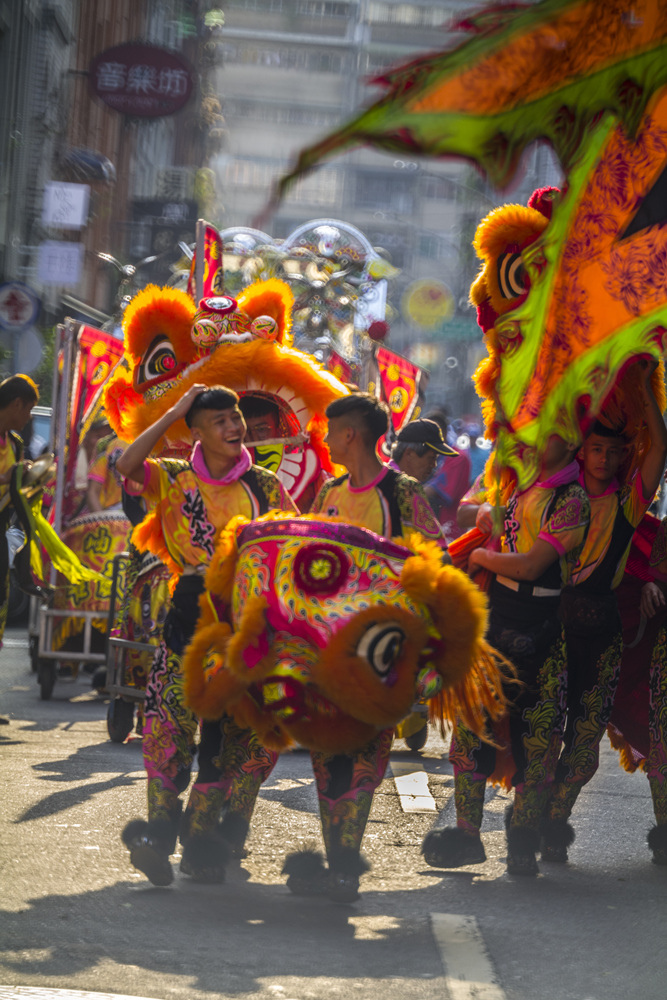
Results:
x,y
75,917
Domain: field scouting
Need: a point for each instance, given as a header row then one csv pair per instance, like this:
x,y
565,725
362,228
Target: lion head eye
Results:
x,y
159,362
381,646
511,275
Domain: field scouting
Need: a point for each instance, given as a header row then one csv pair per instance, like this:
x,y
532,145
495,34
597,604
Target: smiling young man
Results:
x,y
589,608
189,502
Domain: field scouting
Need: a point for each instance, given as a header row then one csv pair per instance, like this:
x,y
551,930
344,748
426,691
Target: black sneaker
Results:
x,y
205,857
522,845
453,847
522,864
149,849
553,852
343,888
153,862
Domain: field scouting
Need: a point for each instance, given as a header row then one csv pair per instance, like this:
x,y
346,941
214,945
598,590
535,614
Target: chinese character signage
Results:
x,y
141,80
65,205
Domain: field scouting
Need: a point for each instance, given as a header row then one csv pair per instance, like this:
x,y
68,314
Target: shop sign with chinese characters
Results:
x,y
140,80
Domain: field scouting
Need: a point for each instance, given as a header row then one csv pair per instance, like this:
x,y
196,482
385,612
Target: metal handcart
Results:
x,y
43,617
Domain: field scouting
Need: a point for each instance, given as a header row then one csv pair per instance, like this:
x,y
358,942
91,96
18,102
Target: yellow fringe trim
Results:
x,y
627,758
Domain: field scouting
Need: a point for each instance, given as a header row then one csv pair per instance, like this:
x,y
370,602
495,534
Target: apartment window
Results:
x,y
307,59
321,8
280,114
384,192
407,14
322,188
439,188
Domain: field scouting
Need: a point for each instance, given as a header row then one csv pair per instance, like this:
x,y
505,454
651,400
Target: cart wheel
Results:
x,y
120,719
418,739
46,678
33,649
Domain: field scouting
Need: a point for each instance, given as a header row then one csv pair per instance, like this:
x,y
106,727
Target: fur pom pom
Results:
x,y
308,864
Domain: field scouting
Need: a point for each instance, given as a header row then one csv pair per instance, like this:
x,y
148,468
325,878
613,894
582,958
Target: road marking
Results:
x,y
412,786
468,970
46,993
22,643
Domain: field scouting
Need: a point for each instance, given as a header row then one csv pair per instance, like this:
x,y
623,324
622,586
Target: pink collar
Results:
x,y
368,486
613,486
567,475
201,469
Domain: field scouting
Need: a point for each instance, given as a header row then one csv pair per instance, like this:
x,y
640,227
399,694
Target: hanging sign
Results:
x,y
140,80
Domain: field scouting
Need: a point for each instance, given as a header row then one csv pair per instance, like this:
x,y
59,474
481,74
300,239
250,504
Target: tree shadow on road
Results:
x,y
68,798
81,765
220,939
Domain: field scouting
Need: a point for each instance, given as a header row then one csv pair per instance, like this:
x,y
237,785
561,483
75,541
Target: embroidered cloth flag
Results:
x,y
591,78
401,384
544,71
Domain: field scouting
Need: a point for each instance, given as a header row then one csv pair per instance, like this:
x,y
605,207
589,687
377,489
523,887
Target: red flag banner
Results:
x,y
97,354
401,384
346,371
213,278
339,367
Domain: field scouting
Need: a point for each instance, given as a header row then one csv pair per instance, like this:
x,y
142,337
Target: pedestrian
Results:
x,y
544,529
18,395
375,496
417,449
451,480
589,607
189,502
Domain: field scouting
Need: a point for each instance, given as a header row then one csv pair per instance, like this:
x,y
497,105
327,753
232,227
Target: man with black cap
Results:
x,y
417,448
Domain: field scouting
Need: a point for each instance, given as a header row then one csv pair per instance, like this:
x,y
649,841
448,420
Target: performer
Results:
x,y
189,504
390,503
589,608
304,475
18,395
370,494
544,530
638,726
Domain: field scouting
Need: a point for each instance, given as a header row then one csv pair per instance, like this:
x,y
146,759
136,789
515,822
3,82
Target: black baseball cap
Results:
x,y
425,432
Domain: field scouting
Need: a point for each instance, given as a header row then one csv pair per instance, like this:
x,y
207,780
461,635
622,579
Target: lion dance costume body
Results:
x,y
311,631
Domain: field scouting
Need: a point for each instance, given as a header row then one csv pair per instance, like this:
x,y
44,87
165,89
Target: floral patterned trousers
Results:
x,y
656,764
534,641
232,762
345,787
594,650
